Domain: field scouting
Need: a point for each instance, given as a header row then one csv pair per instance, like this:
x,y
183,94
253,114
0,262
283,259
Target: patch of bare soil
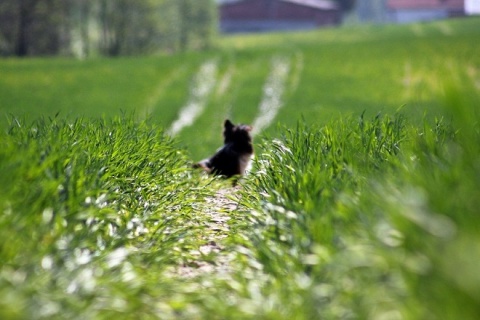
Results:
x,y
211,257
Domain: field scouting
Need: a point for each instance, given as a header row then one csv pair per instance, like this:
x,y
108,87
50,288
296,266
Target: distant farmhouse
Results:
x,y
275,15
404,11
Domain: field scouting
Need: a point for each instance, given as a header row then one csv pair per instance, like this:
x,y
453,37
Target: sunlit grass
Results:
x,y
363,204
371,218
334,72
367,216
92,212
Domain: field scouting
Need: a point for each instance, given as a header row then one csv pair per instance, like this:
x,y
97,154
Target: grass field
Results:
x,y
362,204
331,73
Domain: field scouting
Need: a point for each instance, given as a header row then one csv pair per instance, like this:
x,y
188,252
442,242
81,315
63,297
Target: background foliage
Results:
x,y
332,73
112,28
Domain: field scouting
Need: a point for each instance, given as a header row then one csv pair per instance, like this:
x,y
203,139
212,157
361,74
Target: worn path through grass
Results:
x,y
106,219
211,256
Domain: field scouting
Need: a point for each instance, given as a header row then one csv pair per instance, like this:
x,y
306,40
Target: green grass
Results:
x,y
379,214
356,207
92,211
334,72
354,218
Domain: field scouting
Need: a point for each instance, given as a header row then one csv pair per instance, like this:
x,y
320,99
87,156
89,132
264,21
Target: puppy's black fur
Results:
x,y
233,158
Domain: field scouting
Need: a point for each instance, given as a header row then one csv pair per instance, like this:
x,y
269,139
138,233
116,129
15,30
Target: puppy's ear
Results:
x,y
228,124
228,131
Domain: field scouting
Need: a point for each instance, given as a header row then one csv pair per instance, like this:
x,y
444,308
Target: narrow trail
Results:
x,y
409,81
285,74
208,78
272,94
225,81
154,98
418,30
202,87
218,210
445,29
474,74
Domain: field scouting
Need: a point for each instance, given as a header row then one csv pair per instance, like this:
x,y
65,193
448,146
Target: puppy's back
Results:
x,y
233,158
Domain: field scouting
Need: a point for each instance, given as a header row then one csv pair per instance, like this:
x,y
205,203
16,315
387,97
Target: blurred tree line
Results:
x,y
105,27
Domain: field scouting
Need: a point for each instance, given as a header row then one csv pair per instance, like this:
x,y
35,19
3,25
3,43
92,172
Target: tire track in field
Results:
x,y
297,71
218,209
445,29
153,99
420,83
273,91
225,81
474,75
202,87
223,93
417,30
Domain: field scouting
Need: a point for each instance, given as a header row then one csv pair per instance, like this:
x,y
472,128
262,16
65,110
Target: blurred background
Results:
x,y
189,64
85,28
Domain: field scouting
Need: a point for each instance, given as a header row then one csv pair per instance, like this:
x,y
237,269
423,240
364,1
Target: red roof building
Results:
x,y
274,15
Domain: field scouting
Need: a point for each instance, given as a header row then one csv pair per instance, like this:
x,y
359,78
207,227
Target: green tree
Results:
x,y
31,27
112,28
197,23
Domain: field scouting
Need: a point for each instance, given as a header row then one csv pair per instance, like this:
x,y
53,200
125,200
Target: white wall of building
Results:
x,y
472,6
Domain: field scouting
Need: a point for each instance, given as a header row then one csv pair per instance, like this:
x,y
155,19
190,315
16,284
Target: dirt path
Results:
x,y
272,94
155,96
203,85
218,210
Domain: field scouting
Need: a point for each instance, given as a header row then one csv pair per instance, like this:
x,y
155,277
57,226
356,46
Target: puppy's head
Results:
x,y
233,133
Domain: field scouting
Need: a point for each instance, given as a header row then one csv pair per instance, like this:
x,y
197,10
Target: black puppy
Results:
x,y
234,157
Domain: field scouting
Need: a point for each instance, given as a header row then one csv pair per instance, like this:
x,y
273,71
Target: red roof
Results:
x,y
425,4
